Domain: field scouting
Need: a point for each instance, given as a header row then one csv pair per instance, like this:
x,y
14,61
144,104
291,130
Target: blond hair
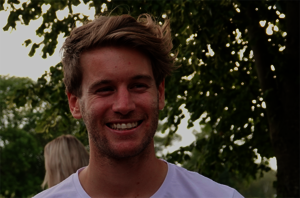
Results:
x,y
143,34
63,157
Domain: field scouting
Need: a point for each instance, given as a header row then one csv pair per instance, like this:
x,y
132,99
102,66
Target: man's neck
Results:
x,y
140,176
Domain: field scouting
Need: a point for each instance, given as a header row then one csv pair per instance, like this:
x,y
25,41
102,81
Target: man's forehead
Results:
x,y
111,64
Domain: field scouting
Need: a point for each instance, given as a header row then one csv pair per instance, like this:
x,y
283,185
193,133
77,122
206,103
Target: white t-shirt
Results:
x,y
179,182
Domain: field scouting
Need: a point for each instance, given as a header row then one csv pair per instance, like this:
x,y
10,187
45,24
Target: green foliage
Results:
x,y
160,140
21,141
7,108
262,187
48,96
21,164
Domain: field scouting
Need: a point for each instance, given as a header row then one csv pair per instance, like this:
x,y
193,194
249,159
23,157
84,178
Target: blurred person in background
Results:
x,y
63,157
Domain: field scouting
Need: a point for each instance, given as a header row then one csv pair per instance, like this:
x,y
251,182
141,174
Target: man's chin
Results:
x,y
126,153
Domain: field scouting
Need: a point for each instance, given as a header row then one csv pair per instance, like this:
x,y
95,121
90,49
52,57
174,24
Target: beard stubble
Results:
x,y
102,144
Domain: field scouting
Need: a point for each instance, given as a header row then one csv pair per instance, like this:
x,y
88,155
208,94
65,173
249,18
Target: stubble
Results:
x,y
102,144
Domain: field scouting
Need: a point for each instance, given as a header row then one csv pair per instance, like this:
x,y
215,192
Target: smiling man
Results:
x,y
114,71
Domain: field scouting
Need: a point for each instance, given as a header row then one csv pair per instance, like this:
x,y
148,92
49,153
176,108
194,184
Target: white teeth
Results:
x,y
123,126
129,125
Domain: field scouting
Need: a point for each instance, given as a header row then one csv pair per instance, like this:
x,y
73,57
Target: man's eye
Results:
x,y
139,86
105,89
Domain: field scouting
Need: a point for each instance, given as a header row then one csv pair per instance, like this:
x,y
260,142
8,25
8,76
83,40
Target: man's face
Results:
x,y
120,101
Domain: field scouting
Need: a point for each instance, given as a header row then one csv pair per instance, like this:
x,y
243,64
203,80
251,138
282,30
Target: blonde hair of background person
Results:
x,y
63,157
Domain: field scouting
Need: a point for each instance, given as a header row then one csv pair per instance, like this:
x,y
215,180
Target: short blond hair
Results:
x,y
63,157
143,34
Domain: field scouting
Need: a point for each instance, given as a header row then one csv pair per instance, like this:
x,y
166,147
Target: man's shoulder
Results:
x,y
65,189
184,183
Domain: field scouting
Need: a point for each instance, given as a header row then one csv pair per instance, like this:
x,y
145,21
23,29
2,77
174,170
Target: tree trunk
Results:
x,y
287,147
281,97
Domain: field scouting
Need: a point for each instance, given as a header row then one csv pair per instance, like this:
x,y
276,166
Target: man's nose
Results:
x,y
123,103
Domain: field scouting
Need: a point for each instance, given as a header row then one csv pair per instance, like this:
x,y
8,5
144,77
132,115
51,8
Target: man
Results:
x,y
114,71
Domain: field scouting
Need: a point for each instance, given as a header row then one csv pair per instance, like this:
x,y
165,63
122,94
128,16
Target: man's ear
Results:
x,y
161,95
74,105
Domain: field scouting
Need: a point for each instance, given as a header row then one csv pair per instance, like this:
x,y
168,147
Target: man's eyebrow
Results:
x,y
142,77
106,82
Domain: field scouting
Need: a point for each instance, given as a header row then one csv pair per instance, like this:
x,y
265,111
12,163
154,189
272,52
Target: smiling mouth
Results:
x,y
124,126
